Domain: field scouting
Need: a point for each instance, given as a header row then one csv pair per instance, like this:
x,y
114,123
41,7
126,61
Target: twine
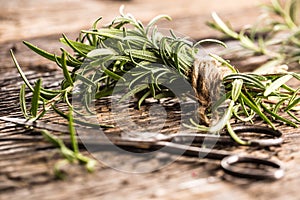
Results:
x,y
206,80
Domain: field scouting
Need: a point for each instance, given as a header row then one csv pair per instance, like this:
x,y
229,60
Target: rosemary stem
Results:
x,y
234,136
73,132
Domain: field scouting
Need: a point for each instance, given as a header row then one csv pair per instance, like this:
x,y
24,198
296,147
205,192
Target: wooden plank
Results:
x,y
26,169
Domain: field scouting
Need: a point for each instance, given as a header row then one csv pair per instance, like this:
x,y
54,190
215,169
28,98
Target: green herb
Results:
x,y
276,35
69,154
102,56
35,98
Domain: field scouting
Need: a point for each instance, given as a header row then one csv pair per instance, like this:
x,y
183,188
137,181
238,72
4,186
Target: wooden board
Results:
x,y
26,167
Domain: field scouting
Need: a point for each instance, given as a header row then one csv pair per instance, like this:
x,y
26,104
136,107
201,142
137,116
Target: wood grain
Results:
x,y
26,168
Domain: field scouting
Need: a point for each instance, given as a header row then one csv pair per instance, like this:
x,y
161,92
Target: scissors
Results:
x,y
177,144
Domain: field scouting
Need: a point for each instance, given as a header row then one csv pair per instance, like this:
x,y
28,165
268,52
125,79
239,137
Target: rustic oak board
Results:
x,y
26,167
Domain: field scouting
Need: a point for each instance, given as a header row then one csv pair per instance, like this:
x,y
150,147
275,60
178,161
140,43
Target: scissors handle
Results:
x,y
271,170
275,135
264,169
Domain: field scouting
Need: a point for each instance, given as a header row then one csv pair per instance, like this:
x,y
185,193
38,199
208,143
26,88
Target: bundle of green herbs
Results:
x,y
127,44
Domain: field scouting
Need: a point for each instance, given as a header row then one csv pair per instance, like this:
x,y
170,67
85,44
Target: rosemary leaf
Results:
x,y
276,84
35,98
23,101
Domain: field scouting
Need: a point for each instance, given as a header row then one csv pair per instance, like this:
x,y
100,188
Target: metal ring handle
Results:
x,y
228,165
277,140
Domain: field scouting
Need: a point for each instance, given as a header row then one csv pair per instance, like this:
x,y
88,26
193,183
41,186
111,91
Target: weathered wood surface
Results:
x,y
26,167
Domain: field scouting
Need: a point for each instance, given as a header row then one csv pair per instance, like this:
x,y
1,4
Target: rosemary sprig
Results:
x,y
102,56
276,35
70,155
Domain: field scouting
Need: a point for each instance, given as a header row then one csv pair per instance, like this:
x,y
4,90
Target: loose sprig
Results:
x,y
276,35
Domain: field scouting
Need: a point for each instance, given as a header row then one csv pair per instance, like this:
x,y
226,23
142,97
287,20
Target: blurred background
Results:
x,y
43,22
24,19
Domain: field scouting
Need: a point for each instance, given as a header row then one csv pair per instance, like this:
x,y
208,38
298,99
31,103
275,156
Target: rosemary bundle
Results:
x,y
101,56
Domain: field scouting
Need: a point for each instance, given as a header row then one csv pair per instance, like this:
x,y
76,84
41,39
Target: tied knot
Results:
x,y
206,79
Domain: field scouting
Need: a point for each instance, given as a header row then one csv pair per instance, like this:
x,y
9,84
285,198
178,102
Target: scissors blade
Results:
x,y
37,124
17,121
88,136
154,137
